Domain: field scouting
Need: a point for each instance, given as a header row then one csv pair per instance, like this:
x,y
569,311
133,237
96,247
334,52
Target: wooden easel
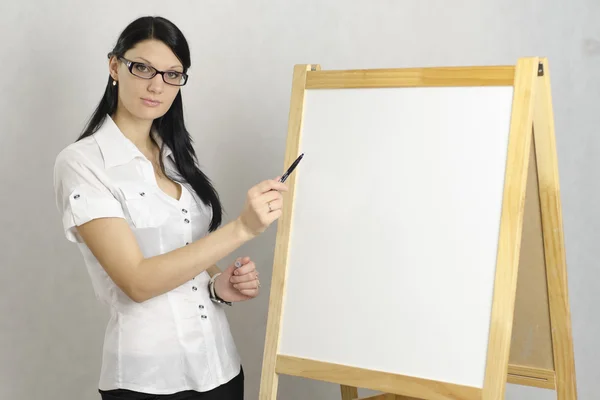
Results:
x,y
530,292
541,349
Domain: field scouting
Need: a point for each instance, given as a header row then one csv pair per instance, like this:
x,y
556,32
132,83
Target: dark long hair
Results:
x,y
170,127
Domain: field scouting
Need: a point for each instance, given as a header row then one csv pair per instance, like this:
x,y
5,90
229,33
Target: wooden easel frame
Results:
x,y
531,108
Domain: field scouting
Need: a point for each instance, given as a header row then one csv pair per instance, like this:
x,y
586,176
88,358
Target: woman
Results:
x,y
148,223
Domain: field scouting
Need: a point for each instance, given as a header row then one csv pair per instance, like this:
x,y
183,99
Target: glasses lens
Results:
x,y
143,70
174,78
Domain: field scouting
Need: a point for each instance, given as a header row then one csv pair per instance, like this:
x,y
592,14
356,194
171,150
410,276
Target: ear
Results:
x,y
113,67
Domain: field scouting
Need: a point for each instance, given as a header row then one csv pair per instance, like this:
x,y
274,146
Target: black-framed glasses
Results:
x,y
145,71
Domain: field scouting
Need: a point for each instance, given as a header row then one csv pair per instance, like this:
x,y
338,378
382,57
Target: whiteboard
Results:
x,y
394,235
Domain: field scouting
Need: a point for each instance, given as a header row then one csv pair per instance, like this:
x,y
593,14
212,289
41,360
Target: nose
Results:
x,y
156,84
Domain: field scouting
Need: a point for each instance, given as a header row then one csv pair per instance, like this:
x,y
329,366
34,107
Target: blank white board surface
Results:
x,y
394,235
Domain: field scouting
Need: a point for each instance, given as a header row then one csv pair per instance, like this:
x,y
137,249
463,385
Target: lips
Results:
x,y
150,102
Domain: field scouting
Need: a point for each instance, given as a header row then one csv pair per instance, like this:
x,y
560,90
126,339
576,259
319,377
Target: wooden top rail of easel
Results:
x,y
411,77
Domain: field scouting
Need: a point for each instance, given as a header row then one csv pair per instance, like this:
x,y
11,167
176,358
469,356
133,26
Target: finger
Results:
x,y
246,285
240,261
270,205
270,184
252,276
267,197
246,268
275,205
249,292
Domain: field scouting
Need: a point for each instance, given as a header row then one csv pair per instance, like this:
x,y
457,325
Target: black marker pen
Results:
x,y
291,168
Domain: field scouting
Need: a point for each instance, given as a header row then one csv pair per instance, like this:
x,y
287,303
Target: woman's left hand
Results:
x,y
238,284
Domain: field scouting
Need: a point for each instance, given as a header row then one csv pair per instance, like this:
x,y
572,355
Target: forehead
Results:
x,y
156,52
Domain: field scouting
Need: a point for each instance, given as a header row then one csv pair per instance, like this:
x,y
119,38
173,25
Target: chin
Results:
x,y
148,113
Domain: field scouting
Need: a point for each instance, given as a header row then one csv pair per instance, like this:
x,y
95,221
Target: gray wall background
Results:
x,y
53,64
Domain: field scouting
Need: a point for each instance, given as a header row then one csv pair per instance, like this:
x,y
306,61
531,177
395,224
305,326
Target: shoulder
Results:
x,y
84,154
79,164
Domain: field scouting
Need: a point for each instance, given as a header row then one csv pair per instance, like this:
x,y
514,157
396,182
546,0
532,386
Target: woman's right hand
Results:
x,y
264,202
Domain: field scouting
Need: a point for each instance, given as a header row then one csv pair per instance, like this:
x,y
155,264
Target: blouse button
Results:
x,y
187,221
204,317
194,288
142,194
183,210
201,306
76,196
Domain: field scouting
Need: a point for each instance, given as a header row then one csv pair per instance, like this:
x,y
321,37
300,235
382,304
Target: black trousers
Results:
x,y
232,390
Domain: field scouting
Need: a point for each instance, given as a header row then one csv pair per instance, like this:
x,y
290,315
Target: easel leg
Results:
x,y
269,386
556,266
270,378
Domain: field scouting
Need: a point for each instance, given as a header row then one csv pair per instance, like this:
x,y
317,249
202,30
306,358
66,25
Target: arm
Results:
x,y
114,245
112,242
96,215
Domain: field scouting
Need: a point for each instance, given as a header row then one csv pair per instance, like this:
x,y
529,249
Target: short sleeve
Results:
x,y
81,196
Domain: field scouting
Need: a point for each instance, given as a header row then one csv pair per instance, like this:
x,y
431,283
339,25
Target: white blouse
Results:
x,y
179,340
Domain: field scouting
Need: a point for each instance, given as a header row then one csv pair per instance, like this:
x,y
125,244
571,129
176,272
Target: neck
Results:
x,y
135,129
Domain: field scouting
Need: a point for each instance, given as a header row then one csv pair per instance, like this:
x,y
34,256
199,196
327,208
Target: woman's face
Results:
x,y
146,99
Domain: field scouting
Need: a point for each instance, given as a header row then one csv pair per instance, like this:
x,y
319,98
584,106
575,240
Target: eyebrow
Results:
x,y
149,62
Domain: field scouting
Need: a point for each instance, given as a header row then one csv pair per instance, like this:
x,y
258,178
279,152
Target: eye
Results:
x,y
141,67
173,74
